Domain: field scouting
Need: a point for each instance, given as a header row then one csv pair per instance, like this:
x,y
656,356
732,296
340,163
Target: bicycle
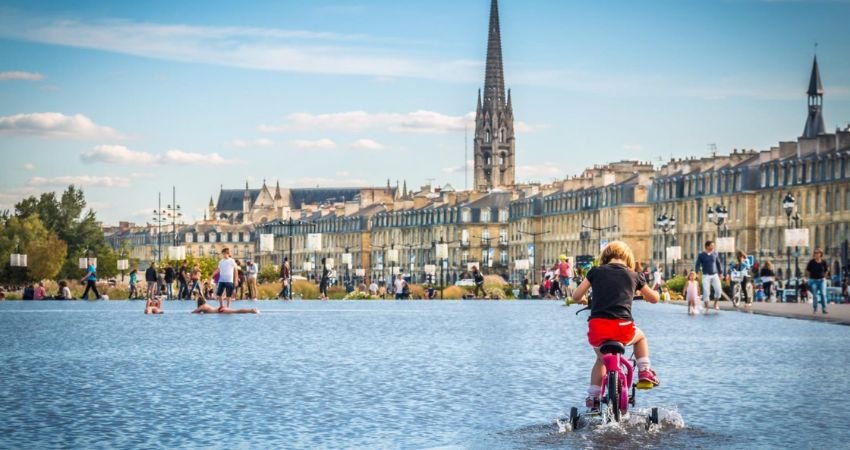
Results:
x,y
736,280
618,388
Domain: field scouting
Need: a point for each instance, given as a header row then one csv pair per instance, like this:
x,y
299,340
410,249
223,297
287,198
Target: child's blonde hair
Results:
x,y
618,250
692,276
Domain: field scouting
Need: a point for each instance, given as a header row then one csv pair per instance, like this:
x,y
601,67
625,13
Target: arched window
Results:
x,y
487,137
502,158
487,159
502,135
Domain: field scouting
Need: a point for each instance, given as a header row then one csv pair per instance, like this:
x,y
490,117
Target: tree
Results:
x,y
46,257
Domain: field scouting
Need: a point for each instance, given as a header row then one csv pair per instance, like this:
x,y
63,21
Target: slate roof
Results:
x,y
230,200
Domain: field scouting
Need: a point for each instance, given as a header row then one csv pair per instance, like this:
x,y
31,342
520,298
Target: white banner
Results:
x,y
522,264
346,259
123,264
314,242
797,237
330,263
430,269
308,266
392,255
266,242
674,254
396,270
469,266
18,260
84,263
177,252
726,245
360,272
442,251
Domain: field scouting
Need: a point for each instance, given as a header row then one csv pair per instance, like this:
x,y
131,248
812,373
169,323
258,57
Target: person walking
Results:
x,y
90,278
818,270
323,282
478,279
399,285
134,274
170,275
251,275
284,279
150,280
742,267
767,276
658,278
195,282
227,276
708,262
183,281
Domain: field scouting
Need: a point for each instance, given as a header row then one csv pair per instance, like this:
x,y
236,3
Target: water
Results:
x,y
483,375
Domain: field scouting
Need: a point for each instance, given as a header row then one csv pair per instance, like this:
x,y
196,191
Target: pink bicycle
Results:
x,y
618,387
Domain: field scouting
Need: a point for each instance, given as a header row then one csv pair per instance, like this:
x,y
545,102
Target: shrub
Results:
x,y
269,273
494,293
305,290
336,293
116,293
454,293
676,284
356,295
268,291
417,292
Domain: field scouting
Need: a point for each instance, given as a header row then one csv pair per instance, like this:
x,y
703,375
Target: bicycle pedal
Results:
x,y
644,385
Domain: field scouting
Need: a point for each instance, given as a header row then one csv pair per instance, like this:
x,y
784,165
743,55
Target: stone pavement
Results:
x,y
839,314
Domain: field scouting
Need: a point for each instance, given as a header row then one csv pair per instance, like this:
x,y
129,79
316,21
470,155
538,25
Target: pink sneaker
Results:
x,y
647,379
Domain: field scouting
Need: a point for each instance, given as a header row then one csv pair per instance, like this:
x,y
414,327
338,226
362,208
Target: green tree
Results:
x,y
16,234
46,257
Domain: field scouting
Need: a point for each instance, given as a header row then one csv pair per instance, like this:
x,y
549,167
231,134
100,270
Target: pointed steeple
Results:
x,y
277,195
815,86
815,124
478,108
211,201
405,189
247,191
494,77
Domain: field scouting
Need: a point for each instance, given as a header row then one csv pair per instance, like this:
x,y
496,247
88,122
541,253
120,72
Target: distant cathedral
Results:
x,y
495,141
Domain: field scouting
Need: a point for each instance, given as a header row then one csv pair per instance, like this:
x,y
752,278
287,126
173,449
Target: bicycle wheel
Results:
x,y
736,294
613,389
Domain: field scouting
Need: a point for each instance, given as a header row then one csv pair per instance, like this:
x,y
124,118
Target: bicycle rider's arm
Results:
x,y
578,294
649,294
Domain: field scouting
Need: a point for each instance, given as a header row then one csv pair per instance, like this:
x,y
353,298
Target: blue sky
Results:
x,y
130,98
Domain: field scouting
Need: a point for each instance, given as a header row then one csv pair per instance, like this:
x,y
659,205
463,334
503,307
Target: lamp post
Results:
x,y
173,212
718,215
788,204
346,259
159,217
666,224
600,230
533,258
441,250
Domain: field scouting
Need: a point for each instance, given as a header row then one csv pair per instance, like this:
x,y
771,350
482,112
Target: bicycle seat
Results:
x,y
612,347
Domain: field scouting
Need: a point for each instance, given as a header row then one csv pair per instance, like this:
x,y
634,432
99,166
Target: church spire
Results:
x,y
494,77
814,123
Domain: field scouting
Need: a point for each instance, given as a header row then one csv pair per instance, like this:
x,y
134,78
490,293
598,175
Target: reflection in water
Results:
x,y
402,375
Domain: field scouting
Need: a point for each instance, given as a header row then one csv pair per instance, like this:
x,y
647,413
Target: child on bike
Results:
x,y
614,285
692,293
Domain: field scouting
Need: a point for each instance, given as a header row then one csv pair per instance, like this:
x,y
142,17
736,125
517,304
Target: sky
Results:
x,y
127,99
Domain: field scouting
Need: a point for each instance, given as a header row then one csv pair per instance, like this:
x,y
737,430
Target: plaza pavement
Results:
x,y
838,313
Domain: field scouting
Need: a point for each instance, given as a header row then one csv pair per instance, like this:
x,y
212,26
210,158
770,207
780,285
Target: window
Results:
x,y
485,234
235,251
212,237
485,215
487,138
503,258
464,237
503,236
201,251
464,259
503,215
466,215
188,238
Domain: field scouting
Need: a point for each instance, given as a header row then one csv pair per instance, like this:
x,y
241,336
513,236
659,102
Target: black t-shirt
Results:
x,y
614,288
150,274
169,275
817,270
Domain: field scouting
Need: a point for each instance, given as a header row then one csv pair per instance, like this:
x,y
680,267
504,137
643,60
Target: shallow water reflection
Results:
x,y
402,375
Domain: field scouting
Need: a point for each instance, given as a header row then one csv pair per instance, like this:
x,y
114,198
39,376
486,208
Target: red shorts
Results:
x,y
601,330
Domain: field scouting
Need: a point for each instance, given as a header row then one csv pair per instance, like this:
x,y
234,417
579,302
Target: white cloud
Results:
x,y
633,147
537,172
367,144
29,166
24,76
119,154
320,144
251,143
244,47
81,180
421,121
470,164
55,125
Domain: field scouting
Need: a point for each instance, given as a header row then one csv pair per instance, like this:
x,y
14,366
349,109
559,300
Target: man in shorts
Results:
x,y
708,262
226,277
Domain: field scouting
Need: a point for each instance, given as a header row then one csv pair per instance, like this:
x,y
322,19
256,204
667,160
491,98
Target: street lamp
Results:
x,y
600,230
666,224
532,258
788,204
158,219
718,215
442,253
346,259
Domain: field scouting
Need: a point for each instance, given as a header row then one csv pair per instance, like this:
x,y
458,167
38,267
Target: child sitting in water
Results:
x,y
614,284
153,306
692,294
